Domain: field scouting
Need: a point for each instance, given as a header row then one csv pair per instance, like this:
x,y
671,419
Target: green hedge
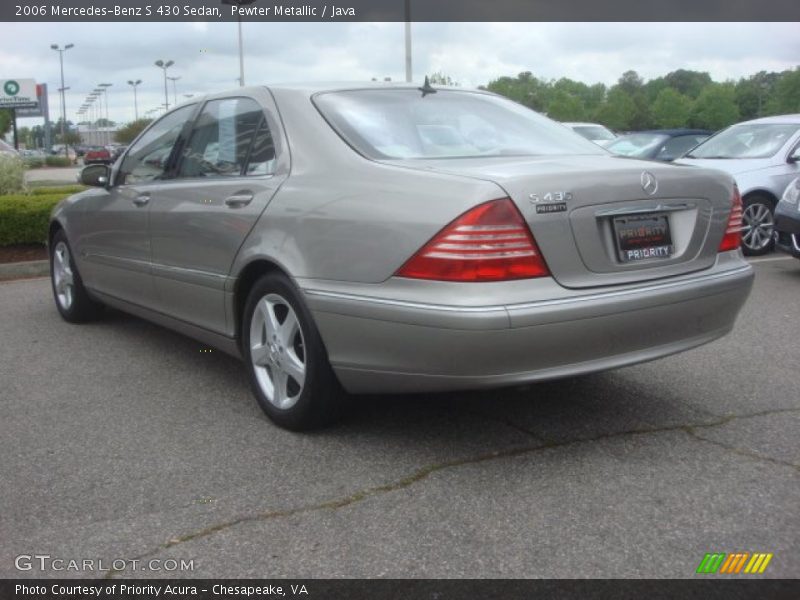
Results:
x,y
24,218
64,190
57,161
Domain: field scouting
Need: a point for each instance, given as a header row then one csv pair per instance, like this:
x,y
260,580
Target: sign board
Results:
x,y
18,93
42,109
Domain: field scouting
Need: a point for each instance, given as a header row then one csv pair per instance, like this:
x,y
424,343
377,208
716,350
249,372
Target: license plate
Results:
x,y
643,237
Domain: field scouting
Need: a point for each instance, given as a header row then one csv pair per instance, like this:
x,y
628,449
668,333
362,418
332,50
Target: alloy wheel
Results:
x,y
63,279
757,226
278,351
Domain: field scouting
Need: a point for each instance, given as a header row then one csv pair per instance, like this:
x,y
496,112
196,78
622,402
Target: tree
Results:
x,y
439,78
786,97
5,121
104,123
566,107
630,82
688,83
715,107
671,109
525,89
126,134
617,111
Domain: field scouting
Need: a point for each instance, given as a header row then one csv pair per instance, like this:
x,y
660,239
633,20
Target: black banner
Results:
x,y
401,589
399,10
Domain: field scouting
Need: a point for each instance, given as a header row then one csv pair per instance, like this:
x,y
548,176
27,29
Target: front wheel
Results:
x,y
286,360
758,223
72,300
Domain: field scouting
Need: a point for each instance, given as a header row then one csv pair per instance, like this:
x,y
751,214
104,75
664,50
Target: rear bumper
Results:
x,y
381,345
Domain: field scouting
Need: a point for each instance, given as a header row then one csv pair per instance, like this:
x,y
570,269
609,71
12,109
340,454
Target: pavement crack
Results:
x,y
740,451
428,470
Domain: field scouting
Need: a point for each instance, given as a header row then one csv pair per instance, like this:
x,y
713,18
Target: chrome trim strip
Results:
x,y
540,303
644,209
796,241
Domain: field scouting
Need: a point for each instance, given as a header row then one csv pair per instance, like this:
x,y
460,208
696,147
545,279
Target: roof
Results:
x,y
776,119
674,132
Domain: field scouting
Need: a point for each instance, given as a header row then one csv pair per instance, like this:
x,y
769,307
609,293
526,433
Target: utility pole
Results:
x,y
164,66
174,89
408,41
63,89
134,84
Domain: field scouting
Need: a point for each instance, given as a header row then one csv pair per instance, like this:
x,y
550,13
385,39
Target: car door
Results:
x,y
114,236
230,168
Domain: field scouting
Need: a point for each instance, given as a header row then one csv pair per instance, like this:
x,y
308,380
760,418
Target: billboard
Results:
x,y
18,93
41,109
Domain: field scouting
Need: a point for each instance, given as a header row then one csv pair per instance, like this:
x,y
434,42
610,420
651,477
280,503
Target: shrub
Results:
x,y
64,190
24,219
57,161
33,162
12,174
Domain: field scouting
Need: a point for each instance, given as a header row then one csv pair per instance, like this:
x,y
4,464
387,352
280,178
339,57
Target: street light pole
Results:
x,y
135,103
63,89
174,89
408,41
105,87
164,66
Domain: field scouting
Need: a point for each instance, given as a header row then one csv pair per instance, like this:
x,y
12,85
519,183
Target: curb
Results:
x,y
31,268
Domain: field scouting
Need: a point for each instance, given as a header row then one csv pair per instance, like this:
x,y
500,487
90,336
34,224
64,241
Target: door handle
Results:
x,y
239,200
142,199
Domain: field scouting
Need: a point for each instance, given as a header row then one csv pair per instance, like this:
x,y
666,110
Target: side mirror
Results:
x,y
95,175
794,157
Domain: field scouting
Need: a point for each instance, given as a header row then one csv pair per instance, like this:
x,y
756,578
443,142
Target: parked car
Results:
x,y
117,151
763,156
594,132
658,144
787,220
97,155
313,231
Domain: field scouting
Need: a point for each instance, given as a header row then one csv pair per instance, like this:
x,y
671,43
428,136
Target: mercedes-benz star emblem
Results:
x,y
649,183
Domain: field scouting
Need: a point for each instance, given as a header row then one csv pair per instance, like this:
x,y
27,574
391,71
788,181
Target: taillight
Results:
x,y
490,242
733,230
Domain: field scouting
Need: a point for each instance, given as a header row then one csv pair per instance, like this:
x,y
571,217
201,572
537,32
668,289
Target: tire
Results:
x,y
281,345
758,223
72,300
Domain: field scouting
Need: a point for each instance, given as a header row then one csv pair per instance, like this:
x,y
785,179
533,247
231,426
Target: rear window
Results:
x,y
594,132
401,123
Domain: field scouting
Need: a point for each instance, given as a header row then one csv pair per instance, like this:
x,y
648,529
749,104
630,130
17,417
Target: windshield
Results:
x,y
594,132
636,145
748,140
402,123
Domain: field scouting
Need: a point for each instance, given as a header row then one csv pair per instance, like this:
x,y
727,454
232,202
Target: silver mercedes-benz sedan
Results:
x,y
389,238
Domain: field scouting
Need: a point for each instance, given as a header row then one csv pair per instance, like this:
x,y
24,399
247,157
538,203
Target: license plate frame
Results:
x,y
643,237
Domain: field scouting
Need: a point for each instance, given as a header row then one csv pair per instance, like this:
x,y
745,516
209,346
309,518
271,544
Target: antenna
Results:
x,y
427,88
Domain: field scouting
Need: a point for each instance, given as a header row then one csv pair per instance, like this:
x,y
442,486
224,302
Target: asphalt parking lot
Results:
x,y
121,440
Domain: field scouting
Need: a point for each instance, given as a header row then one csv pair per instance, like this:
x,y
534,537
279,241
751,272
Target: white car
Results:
x,y
599,134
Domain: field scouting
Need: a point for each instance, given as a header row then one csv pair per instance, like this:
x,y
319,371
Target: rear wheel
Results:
x,y
286,360
72,300
758,223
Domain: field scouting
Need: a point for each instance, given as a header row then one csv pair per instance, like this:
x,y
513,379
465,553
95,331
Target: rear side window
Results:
x,y
405,123
147,158
222,138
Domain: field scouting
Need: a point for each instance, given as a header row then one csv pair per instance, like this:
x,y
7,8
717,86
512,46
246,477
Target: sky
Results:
x,y
206,54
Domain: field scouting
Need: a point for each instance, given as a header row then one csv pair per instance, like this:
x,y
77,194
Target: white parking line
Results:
x,y
770,259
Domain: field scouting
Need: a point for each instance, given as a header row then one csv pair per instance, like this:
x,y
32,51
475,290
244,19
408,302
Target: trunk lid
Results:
x,y
579,207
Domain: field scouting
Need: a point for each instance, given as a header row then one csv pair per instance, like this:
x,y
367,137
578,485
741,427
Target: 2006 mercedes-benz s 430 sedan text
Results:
x,y
390,238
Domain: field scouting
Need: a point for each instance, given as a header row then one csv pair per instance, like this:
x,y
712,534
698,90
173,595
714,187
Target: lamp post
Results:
x,y
164,66
134,84
104,87
63,89
174,89
408,40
